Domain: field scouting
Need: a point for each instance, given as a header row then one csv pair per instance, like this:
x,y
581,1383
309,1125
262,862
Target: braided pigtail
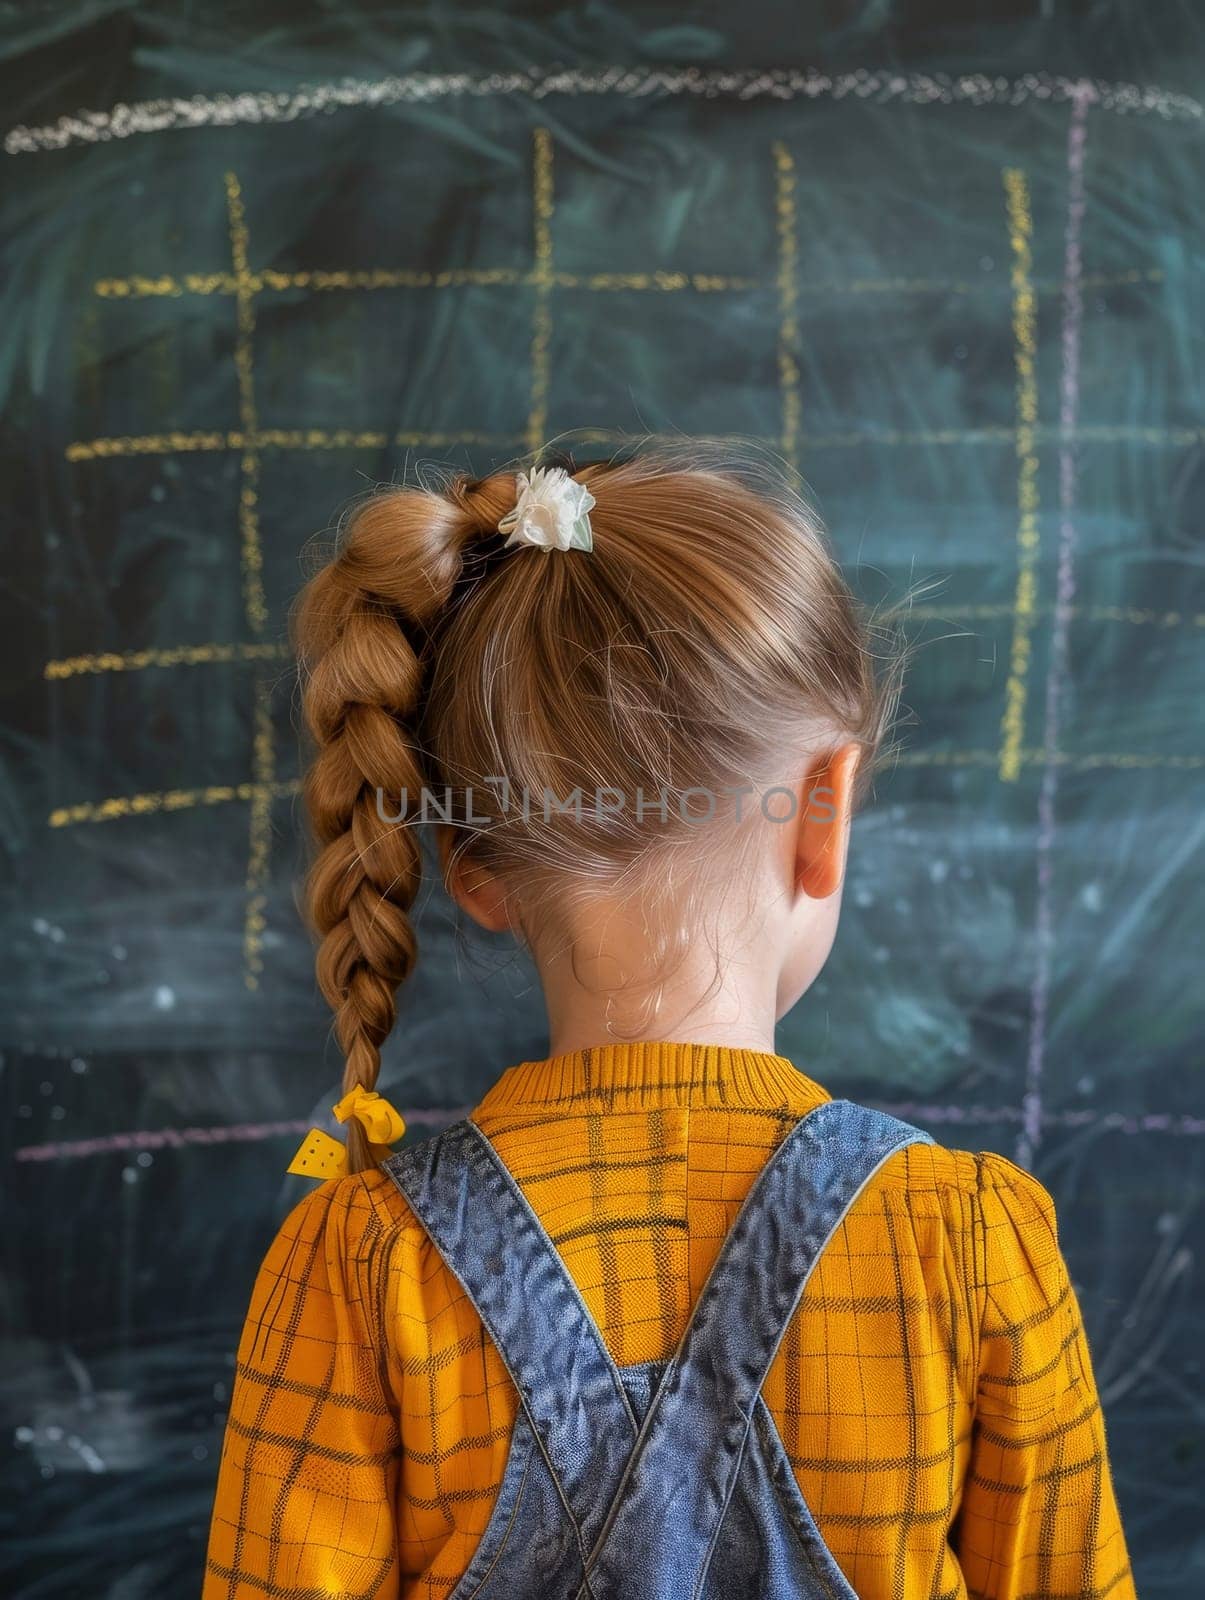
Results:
x,y
361,629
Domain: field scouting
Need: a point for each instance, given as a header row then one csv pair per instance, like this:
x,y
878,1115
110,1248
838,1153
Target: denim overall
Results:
x,y
666,1481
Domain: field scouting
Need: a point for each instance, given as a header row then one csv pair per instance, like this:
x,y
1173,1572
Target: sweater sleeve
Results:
x,y
1039,1516
307,1476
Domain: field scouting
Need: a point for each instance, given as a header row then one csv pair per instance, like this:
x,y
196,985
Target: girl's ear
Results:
x,y
474,888
826,811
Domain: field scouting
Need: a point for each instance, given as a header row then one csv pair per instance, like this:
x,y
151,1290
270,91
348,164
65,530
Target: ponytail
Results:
x,y
706,642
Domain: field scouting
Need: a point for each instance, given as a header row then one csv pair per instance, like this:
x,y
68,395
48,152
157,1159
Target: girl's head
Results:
x,y
648,752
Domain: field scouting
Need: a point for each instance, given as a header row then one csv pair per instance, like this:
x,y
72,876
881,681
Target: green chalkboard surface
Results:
x,y
258,258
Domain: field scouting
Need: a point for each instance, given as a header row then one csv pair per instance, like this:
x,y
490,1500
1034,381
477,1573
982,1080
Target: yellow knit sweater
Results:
x,y
934,1393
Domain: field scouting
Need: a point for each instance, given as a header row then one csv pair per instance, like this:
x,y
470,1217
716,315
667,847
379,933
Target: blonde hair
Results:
x,y
708,632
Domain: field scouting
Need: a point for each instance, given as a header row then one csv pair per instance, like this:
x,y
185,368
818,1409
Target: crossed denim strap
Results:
x,y
684,1465
491,1240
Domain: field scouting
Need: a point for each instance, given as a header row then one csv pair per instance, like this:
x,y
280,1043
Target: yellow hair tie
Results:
x,y
381,1122
320,1156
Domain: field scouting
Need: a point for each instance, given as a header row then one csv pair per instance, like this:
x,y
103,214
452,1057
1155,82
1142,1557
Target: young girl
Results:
x,y
663,1318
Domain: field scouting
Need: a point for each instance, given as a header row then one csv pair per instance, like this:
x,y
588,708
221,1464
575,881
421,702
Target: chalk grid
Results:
x,y
249,441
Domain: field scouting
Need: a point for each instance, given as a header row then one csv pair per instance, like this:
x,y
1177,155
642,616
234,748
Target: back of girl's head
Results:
x,y
597,703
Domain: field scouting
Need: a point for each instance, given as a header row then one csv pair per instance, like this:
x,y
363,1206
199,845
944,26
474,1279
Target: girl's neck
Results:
x,y
724,979
595,1003
583,1032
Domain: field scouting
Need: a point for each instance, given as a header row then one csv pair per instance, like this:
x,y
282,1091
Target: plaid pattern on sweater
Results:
x,y
934,1393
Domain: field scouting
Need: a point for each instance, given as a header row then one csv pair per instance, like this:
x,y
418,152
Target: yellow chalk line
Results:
x,y
253,592
1123,760
185,655
119,806
260,831
143,805
304,439
541,335
271,439
266,281
263,762
1130,614
152,444
788,295
1020,226
196,655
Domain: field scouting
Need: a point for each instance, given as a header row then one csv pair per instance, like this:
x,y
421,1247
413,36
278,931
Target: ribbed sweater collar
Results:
x,y
656,1072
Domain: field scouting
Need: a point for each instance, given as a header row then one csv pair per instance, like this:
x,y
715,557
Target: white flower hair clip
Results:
x,y
551,512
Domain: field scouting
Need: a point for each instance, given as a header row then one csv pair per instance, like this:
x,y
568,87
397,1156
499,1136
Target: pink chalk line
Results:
x,y
1069,390
253,1132
178,1138
1107,1121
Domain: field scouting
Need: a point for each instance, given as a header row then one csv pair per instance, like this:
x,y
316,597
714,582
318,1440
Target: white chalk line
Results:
x,y
124,121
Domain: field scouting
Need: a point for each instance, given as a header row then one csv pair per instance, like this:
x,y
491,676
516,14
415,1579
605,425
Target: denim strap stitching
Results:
x,y
480,1222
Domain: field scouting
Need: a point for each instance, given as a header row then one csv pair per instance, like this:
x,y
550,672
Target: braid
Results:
x,y
362,625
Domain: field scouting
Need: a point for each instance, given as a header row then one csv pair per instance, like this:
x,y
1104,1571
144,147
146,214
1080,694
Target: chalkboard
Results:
x,y
258,260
